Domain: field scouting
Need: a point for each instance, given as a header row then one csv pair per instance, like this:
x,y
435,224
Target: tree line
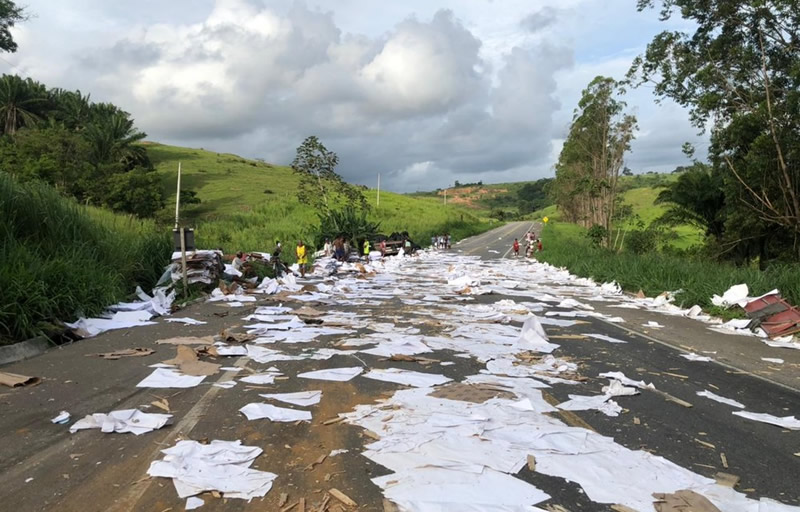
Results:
x,y
738,74
87,150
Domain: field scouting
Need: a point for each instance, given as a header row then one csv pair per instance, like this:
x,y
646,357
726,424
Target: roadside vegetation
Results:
x,y
61,259
654,272
732,219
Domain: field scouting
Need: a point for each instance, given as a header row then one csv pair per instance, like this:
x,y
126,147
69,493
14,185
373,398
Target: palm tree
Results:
x,y
22,103
114,138
695,198
73,109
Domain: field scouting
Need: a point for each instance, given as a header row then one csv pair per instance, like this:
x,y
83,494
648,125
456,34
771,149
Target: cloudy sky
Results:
x,y
423,91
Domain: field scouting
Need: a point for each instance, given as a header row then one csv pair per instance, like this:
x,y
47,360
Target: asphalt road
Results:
x,y
43,467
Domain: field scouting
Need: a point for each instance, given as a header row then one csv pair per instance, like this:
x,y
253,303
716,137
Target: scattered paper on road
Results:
x,y
407,377
691,356
260,378
63,417
625,380
333,374
602,403
88,327
194,502
772,360
165,378
221,466
187,321
603,337
256,411
301,398
787,422
720,399
533,337
131,421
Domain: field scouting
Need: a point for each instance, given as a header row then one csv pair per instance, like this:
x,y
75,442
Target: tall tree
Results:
x,y
738,72
588,167
10,14
320,185
22,103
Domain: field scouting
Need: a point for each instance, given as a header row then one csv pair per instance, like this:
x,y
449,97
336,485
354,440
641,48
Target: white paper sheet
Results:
x,y
772,360
720,399
218,466
696,357
603,337
256,411
166,378
187,321
194,502
260,378
124,421
88,327
602,403
333,374
787,422
407,377
533,337
227,384
301,398
625,380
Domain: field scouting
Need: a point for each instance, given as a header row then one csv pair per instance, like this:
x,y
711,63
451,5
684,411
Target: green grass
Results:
x,y
248,205
61,260
567,246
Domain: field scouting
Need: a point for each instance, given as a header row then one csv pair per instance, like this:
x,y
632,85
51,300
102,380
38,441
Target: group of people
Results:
x,y
532,245
441,241
338,249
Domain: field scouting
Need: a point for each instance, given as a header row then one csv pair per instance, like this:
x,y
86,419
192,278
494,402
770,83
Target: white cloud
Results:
x,y
424,92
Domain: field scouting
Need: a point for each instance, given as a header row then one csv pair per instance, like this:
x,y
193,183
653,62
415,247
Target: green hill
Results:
x,y
247,204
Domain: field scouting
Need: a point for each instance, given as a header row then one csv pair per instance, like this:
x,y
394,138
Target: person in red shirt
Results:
x,y
516,248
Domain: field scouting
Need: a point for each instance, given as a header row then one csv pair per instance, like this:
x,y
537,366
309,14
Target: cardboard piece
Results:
x,y
128,352
683,501
187,361
187,340
14,380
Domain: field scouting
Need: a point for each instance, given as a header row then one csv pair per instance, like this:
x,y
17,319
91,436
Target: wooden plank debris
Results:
x,y
707,445
339,495
726,479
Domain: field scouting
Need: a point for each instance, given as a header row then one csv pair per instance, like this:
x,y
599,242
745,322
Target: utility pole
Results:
x,y
182,235
445,197
178,197
379,190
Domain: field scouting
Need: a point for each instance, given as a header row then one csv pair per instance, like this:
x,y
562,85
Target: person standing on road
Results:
x,y
302,258
383,248
366,248
276,260
327,249
516,248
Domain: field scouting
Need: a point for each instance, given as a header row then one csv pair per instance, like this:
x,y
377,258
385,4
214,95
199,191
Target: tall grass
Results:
x,y
59,260
566,246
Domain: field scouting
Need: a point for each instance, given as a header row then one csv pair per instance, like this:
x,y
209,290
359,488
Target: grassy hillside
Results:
x,y
61,259
247,205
